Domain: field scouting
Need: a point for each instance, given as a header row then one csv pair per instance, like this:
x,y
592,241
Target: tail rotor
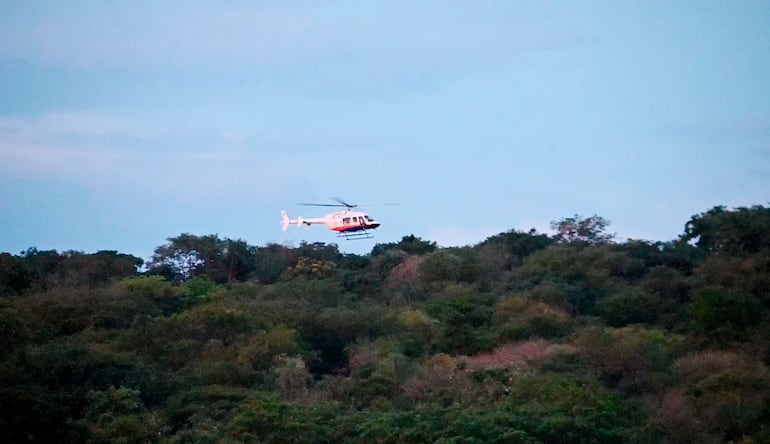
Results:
x,y
284,221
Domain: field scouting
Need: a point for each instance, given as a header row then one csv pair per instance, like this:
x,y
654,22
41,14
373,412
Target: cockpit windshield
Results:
x,y
368,219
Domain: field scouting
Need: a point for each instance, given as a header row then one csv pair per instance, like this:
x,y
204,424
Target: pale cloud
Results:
x,y
66,124
105,152
39,160
58,144
185,35
115,36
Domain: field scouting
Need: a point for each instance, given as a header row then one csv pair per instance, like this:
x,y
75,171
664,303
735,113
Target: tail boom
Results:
x,y
285,221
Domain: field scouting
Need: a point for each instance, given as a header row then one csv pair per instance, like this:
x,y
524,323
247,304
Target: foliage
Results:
x,y
466,323
735,232
15,277
520,317
521,338
187,255
119,415
724,315
746,274
633,359
418,332
440,266
591,229
262,349
630,307
572,277
44,270
727,394
312,268
401,284
410,244
13,329
270,262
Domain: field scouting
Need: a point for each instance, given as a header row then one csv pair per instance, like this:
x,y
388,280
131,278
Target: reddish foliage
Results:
x,y
405,273
511,354
677,419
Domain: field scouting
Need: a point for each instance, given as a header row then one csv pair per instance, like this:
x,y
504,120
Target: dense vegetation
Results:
x,y
522,338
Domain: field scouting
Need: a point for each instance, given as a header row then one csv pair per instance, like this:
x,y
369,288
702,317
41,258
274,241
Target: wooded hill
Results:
x,y
522,338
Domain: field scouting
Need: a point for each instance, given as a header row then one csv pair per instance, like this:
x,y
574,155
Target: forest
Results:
x,y
525,337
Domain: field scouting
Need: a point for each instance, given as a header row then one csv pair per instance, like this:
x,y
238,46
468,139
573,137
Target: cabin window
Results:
x,y
345,220
355,219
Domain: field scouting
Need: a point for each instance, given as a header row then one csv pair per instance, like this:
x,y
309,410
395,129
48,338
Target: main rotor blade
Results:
x,y
342,203
321,205
337,199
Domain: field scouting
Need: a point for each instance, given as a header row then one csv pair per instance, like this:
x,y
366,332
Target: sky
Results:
x,y
125,123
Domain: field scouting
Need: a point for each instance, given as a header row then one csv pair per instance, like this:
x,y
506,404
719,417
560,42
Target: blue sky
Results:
x,y
125,123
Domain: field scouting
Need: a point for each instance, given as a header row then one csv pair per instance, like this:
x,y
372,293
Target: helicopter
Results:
x,y
348,224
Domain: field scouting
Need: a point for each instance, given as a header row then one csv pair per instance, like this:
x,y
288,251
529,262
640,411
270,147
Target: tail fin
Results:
x,y
284,220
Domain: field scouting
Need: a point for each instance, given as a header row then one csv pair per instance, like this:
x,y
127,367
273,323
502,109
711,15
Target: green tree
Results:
x,y
417,332
634,359
238,260
15,277
376,370
410,244
319,251
746,274
582,229
50,269
726,394
724,315
441,266
100,268
268,419
668,283
151,295
571,276
45,266
512,247
737,232
261,350
198,414
520,317
270,262
677,255
119,415
186,256
630,307
13,329
464,322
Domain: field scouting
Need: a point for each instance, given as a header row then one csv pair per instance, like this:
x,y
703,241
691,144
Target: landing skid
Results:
x,y
355,235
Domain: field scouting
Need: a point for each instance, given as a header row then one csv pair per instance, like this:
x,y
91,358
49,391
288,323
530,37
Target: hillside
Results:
x,y
522,338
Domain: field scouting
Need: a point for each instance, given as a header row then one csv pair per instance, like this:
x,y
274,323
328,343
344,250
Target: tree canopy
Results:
x,y
524,337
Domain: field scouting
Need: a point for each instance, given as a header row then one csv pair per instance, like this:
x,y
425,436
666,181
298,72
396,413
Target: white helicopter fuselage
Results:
x,y
342,222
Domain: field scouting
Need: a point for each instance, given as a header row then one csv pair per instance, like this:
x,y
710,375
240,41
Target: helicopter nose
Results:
x,y
374,225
